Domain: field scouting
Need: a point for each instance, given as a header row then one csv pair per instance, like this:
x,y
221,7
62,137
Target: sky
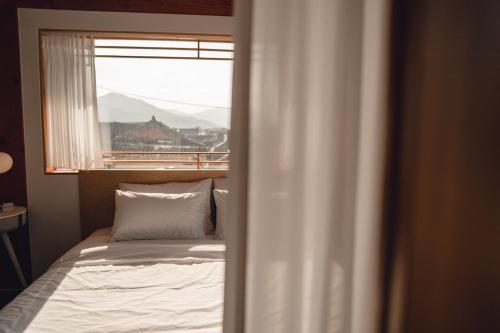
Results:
x,y
204,82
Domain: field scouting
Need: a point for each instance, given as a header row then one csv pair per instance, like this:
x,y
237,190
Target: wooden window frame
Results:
x,y
134,35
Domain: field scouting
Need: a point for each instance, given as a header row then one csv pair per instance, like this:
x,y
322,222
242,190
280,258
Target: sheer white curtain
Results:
x,y
71,120
312,167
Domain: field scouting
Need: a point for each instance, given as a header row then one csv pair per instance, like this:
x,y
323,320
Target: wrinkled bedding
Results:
x,y
133,286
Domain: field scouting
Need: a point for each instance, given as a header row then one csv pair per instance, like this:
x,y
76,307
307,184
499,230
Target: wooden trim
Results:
x,y
199,50
161,48
161,36
165,153
116,36
159,57
53,171
48,170
65,172
164,161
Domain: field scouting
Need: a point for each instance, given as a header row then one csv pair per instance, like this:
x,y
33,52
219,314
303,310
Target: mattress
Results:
x,y
134,286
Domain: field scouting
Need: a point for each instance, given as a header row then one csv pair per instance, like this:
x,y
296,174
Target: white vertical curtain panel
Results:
x,y
71,118
307,79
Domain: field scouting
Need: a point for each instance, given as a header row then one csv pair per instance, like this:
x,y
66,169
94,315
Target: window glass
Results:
x,y
163,112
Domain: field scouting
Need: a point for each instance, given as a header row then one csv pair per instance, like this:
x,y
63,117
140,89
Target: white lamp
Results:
x,y
5,162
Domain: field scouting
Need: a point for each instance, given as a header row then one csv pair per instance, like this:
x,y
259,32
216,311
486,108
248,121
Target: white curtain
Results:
x,y
312,166
71,119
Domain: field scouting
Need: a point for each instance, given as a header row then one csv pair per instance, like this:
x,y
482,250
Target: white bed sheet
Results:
x,y
134,286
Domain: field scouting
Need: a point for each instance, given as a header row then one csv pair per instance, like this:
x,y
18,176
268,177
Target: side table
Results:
x,y
8,223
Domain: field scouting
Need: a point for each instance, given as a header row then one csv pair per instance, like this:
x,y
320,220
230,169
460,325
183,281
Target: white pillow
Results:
x,y
158,216
177,187
220,202
172,187
221,184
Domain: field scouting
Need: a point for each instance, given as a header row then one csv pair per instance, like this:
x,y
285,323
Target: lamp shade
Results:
x,y
5,162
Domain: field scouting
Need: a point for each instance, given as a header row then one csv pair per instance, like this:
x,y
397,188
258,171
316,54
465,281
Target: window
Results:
x,y
161,102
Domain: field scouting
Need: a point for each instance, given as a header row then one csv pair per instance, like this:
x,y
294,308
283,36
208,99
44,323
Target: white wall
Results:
x,y
53,199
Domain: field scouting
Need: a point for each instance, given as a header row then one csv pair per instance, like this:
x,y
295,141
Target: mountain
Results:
x,y
124,109
220,116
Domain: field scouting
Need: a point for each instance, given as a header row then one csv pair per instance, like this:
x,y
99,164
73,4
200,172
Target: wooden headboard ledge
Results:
x,y
97,190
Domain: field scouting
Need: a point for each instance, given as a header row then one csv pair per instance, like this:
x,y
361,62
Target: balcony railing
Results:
x,y
174,160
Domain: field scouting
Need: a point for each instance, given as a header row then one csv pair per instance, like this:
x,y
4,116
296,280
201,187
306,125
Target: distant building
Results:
x,y
153,135
190,131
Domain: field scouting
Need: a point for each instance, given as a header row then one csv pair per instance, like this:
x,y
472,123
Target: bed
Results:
x,y
130,286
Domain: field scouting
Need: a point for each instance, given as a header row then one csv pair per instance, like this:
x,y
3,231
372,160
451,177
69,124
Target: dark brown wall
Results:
x,y
194,7
447,162
13,183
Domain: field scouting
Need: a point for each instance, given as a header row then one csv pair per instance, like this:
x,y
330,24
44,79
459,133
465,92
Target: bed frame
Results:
x,y
97,197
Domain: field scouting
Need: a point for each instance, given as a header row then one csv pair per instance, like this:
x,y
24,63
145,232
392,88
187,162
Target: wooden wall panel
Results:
x,y
447,161
97,191
194,7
